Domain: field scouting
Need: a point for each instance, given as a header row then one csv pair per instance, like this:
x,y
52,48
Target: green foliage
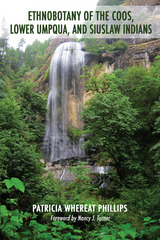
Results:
x,y
111,121
34,54
126,231
62,231
23,225
120,46
75,133
18,152
16,224
152,228
3,55
14,62
97,47
142,89
15,58
33,109
10,219
18,184
2,89
155,68
82,183
53,190
123,231
47,74
155,149
138,167
95,82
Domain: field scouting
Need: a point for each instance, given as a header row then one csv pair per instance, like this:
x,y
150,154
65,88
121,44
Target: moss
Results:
x,y
71,50
75,133
46,76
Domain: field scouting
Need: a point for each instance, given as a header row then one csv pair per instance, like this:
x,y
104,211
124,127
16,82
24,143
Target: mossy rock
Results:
x,y
46,76
74,133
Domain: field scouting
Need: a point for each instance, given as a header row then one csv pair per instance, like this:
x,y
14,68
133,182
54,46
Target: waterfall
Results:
x,y
64,102
101,169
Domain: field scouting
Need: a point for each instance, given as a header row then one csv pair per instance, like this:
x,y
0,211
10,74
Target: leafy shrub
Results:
x,y
120,46
61,230
97,47
75,133
111,121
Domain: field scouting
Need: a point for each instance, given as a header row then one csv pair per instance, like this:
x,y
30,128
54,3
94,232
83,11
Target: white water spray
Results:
x,y
66,68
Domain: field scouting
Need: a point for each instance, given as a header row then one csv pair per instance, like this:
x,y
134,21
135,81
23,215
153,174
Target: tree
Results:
x,y
14,59
19,156
2,89
156,147
33,109
111,121
34,54
97,47
3,50
21,43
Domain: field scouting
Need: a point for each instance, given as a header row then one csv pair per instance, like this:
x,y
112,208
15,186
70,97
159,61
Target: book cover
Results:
x,y
80,120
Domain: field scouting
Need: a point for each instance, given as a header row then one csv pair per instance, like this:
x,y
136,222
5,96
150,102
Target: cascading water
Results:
x,y
64,102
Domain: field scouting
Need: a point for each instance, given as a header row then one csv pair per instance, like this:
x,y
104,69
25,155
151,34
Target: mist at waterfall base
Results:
x,y
64,84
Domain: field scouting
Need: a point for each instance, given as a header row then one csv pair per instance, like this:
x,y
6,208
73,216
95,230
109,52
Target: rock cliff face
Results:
x,y
142,53
141,2
139,52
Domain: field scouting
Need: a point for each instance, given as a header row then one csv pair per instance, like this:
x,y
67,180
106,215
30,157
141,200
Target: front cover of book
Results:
x,y
80,120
